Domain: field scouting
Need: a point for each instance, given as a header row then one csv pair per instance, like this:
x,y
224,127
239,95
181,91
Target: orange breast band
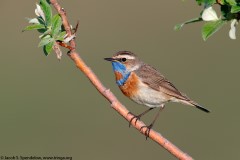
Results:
x,y
118,75
130,87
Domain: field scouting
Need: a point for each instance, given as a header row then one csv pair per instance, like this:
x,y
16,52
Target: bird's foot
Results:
x,y
147,131
134,117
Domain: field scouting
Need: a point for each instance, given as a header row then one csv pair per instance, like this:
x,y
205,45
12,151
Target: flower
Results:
x,y
33,21
209,14
39,12
232,31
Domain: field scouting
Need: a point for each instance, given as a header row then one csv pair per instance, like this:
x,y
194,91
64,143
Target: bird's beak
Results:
x,y
109,59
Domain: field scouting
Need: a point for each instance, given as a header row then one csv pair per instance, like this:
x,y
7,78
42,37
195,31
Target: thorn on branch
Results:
x,y
76,28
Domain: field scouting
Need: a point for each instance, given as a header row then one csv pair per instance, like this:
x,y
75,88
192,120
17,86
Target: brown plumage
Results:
x,y
158,82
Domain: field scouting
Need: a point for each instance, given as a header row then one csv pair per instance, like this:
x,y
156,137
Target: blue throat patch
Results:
x,y
119,67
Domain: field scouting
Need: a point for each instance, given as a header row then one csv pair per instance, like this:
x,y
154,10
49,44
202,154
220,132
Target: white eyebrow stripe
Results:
x,y
125,56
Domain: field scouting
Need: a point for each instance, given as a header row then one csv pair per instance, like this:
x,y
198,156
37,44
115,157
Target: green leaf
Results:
x,y
41,21
210,28
222,2
179,26
226,11
60,36
45,32
56,25
47,11
45,40
231,2
33,27
206,2
235,9
210,2
47,49
200,2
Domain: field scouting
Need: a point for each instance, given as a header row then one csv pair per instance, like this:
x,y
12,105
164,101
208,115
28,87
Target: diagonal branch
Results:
x,y
155,136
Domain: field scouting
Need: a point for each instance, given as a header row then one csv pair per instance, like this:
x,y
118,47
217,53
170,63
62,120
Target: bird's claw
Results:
x,y
134,117
147,131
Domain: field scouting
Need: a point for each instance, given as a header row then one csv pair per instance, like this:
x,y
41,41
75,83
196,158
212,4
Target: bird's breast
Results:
x,y
141,93
130,87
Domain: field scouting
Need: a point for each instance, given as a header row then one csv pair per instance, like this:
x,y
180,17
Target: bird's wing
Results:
x,y
158,82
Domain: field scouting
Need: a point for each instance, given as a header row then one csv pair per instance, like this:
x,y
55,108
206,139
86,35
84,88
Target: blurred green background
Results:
x,y
49,108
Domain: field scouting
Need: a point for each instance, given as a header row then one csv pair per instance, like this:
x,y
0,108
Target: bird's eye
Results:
x,y
123,59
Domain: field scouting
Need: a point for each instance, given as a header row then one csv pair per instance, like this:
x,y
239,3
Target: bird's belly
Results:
x,y
149,97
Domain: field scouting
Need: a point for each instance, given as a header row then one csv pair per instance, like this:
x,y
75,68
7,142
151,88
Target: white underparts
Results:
x,y
148,96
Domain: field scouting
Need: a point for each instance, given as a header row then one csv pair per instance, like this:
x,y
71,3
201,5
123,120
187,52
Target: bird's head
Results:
x,y
123,63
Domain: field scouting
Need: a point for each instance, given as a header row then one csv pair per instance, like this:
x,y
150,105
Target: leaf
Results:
x,y
45,32
210,28
47,11
235,9
33,27
200,2
41,21
47,39
231,2
60,36
222,2
210,2
179,26
56,25
225,11
47,49
206,2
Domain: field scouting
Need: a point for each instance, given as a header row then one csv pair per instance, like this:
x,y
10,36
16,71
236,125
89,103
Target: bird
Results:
x,y
145,85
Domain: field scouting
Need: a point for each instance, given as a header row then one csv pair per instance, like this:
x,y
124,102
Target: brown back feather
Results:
x,y
158,82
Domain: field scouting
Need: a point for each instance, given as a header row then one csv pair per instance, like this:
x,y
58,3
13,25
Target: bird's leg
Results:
x,y
137,117
148,128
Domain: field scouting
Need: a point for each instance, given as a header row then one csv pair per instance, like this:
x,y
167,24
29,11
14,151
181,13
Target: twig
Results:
x,y
155,136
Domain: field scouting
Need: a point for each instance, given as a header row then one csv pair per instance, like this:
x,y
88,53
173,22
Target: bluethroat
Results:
x,y
145,85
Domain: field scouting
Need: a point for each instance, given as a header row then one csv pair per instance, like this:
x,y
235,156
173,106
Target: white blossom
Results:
x,y
209,14
39,12
232,31
33,21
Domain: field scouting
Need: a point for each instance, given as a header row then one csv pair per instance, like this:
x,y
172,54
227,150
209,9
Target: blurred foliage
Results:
x,y
230,11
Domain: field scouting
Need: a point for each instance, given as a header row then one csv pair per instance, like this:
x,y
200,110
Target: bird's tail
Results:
x,y
192,103
201,108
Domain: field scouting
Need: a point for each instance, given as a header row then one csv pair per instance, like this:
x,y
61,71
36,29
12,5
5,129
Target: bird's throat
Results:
x,y
121,73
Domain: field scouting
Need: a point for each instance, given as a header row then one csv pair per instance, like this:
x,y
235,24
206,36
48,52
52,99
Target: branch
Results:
x,y
155,136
